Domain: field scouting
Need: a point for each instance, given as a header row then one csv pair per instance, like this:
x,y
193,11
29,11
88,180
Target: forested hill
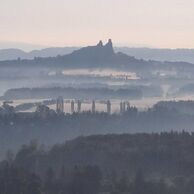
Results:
x,y
19,128
112,164
161,155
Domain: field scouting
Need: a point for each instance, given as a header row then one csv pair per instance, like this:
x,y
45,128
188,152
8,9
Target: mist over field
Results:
x,y
96,74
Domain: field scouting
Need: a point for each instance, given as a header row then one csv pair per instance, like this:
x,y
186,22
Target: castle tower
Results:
x,y
100,44
108,48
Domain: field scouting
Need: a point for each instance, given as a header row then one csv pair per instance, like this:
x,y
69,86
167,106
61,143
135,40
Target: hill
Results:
x,y
186,55
157,155
103,164
13,54
101,56
157,54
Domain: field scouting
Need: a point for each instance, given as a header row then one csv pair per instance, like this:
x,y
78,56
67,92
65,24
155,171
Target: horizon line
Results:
x,y
28,47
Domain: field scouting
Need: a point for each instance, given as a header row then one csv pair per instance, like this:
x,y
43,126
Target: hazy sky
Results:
x,y
156,23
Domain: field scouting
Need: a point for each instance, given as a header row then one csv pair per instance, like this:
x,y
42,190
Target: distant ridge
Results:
x,y
186,55
87,57
157,54
98,56
13,54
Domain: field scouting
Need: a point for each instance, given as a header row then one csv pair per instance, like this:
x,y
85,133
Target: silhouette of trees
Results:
x,y
15,180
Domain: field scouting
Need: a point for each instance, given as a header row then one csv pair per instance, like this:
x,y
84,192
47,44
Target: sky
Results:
x,y
151,23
